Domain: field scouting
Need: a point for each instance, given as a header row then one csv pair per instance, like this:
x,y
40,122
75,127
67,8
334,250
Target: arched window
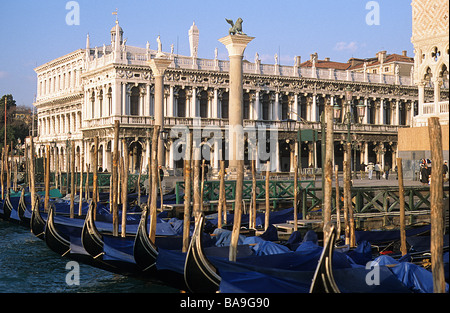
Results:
x,y
320,105
265,107
203,104
443,72
109,97
225,101
303,106
387,113
246,113
428,74
100,102
134,103
92,104
181,103
284,107
371,111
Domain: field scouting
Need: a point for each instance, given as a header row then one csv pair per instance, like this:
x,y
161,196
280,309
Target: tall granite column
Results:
x,y
235,45
159,66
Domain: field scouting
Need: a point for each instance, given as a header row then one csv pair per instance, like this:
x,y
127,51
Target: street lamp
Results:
x,y
361,109
348,117
164,134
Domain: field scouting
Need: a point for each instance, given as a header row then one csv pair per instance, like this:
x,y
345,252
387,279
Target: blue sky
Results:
x,y
35,32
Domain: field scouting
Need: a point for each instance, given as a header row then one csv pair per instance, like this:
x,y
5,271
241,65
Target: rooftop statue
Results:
x,y
235,27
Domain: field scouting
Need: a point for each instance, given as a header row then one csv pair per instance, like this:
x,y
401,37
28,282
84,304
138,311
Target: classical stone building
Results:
x,y
430,33
81,94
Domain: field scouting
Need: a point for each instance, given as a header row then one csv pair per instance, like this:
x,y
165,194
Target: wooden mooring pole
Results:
x,y
187,204
338,200
72,181
8,171
114,176
401,199
95,177
295,193
222,202
124,187
47,178
3,173
237,211
80,204
154,191
266,217
32,176
187,194
437,205
252,215
328,188
346,202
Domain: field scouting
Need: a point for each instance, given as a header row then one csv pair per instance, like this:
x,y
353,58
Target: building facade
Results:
x,y
430,33
81,94
431,62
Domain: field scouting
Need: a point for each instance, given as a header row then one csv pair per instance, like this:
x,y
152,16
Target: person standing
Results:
x,y
370,170
363,170
445,171
377,169
424,173
387,168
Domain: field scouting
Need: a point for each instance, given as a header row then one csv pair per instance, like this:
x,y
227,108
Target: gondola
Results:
x,y
323,280
37,223
199,274
22,208
55,241
7,207
91,238
144,250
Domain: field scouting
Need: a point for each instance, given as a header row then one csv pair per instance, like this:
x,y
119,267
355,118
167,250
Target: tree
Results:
x,y
15,128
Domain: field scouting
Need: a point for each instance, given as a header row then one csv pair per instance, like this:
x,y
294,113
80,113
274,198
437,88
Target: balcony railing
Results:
x,y
220,123
185,62
430,108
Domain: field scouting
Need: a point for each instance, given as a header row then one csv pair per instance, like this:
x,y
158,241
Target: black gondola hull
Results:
x,y
144,250
199,274
55,240
90,237
37,223
323,280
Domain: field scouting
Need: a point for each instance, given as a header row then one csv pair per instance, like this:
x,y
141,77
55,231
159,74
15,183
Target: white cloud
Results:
x,y
343,46
3,74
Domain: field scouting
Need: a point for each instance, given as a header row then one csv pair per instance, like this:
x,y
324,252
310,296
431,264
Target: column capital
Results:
x,y
159,66
236,44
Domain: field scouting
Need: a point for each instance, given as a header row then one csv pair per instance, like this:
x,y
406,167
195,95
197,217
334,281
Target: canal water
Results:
x,y
28,266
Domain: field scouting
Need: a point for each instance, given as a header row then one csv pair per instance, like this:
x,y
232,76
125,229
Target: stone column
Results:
x,y
397,113
276,107
366,111
215,113
294,109
381,112
257,107
124,98
437,95
159,66
421,96
194,112
235,45
313,117
366,153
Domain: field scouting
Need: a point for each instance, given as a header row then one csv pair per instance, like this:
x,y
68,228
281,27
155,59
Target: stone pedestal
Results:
x,y
236,45
159,66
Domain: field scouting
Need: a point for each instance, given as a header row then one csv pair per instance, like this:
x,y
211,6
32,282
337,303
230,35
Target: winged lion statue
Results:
x,y
236,28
